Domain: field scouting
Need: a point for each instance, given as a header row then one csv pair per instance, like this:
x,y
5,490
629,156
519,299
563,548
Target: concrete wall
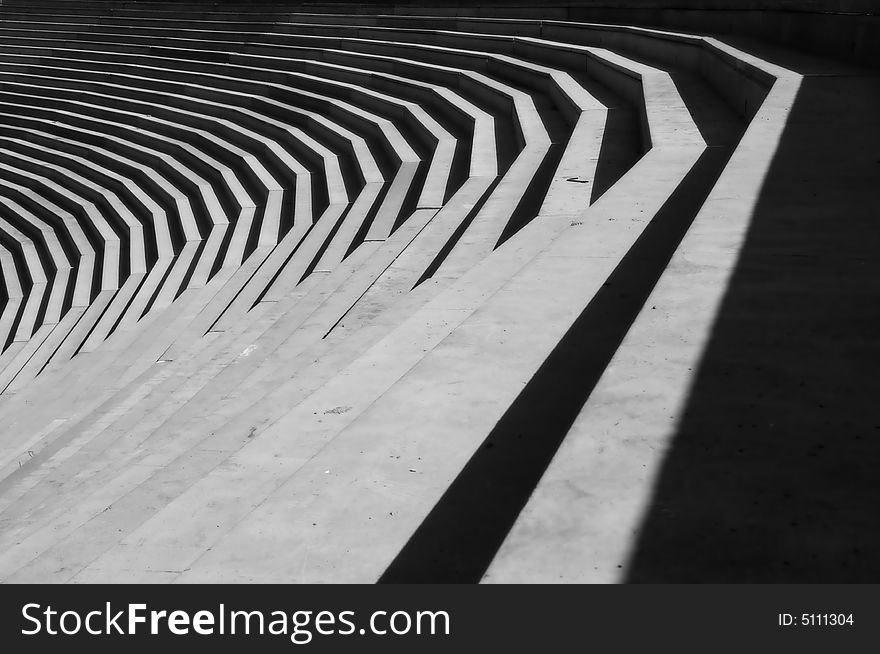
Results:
x,y
815,6
844,29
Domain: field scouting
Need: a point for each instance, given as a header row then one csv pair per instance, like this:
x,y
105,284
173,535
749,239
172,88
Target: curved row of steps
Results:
x,y
272,278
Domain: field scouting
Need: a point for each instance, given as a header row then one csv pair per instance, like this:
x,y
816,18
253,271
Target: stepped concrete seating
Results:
x,y
181,201
236,245
111,206
147,290
485,222
69,289
276,283
13,294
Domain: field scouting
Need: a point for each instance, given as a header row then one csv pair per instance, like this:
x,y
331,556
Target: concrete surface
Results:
x,y
338,296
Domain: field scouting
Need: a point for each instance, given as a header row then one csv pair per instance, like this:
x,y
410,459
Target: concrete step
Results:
x,y
35,271
481,221
341,417
14,294
71,236
56,263
618,480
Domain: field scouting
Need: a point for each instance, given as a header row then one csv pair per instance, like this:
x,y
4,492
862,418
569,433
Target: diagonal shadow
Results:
x,y
458,539
774,472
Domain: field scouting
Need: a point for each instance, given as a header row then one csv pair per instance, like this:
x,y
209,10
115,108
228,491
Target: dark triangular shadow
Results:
x,y
773,473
